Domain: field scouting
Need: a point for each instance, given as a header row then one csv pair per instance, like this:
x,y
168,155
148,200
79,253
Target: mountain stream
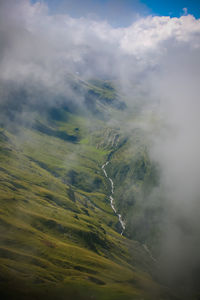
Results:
x,y
112,203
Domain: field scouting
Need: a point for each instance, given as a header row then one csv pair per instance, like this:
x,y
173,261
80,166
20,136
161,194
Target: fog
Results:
x,y
155,59
176,150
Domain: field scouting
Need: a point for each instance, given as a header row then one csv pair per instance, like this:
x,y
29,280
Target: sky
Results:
x,y
173,8
123,12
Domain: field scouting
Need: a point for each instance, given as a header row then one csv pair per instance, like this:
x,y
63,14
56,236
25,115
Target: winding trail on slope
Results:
x,y
112,204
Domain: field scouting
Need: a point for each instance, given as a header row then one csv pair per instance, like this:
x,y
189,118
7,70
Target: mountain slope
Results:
x,y
59,235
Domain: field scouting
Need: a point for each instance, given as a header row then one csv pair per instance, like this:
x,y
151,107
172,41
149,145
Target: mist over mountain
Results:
x,y
130,95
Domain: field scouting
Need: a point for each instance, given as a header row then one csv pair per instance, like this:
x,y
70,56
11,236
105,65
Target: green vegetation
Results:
x,y
59,235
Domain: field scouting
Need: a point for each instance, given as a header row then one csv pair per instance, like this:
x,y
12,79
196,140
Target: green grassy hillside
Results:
x,y
59,236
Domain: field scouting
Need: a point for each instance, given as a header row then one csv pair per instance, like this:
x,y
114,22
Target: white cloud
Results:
x,y
185,11
149,34
36,41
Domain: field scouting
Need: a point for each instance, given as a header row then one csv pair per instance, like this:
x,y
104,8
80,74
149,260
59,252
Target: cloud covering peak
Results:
x,y
30,38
